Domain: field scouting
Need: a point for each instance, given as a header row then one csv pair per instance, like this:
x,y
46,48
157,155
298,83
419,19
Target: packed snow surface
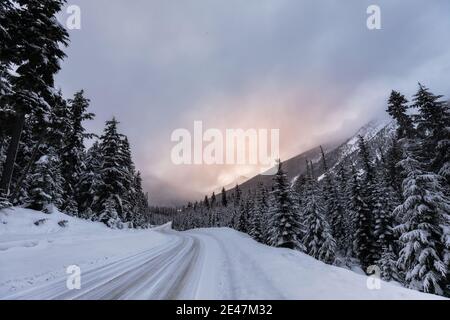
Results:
x,y
163,264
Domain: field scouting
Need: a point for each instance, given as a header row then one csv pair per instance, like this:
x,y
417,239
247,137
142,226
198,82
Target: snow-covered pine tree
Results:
x,y
388,264
397,109
90,179
384,203
213,200
125,161
114,177
45,184
364,199
235,210
224,198
394,174
109,216
317,237
73,151
32,58
424,228
345,187
362,244
433,125
6,113
284,222
334,211
258,220
244,207
299,189
139,202
206,203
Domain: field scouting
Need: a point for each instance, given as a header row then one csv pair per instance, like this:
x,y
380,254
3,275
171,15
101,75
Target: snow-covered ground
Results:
x,y
163,264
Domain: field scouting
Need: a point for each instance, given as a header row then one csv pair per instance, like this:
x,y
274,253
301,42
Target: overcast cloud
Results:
x,y
308,67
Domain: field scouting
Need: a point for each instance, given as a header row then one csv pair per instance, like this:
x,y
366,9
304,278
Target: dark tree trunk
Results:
x,y
12,153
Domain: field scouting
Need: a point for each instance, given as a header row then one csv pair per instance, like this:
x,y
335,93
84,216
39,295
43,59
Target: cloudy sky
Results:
x,y
309,68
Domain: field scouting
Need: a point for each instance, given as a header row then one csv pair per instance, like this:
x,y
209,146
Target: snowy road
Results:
x,y
165,264
165,272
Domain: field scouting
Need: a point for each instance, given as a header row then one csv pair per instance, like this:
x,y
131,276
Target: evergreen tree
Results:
x,y
317,240
433,125
424,227
383,201
394,173
213,200
206,203
333,208
345,187
388,264
235,215
114,177
138,201
90,179
397,109
45,184
244,207
224,198
299,189
125,161
283,214
74,151
259,215
363,241
31,58
108,214
365,199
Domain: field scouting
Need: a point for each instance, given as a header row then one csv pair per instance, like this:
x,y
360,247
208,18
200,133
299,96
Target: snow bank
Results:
x,y
250,270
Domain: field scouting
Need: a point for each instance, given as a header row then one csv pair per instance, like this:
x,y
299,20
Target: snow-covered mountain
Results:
x,y
377,133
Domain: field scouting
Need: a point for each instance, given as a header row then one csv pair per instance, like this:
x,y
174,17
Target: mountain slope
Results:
x,y
377,133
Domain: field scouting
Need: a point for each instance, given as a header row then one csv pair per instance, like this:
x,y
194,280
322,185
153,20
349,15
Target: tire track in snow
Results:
x,y
159,273
245,271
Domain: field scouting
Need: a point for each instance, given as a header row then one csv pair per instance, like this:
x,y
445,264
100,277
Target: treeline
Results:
x,y
43,160
390,209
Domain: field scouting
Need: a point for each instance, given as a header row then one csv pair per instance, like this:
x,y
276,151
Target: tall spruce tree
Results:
x,y
74,151
397,109
46,184
224,198
317,240
394,172
433,125
345,187
424,228
365,199
332,203
31,58
284,221
114,177
90,179
363,241
258,221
